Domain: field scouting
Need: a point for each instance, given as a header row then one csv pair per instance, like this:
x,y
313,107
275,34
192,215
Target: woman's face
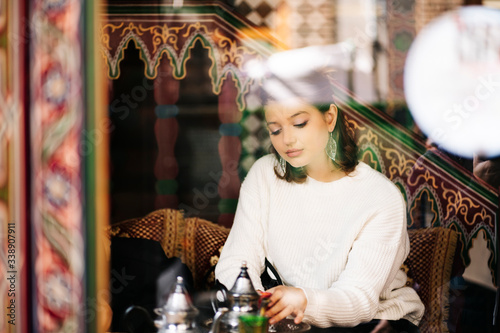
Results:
x,y
299,132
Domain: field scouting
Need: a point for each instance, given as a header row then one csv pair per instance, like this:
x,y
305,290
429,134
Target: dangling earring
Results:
x,y
331,147
282,164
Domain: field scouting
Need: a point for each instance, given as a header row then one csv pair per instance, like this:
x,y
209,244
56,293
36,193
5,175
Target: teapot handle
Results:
x,y
145,321
216,304
215,328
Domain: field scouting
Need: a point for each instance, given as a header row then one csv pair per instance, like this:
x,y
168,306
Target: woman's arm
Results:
x,y
371,272
246,238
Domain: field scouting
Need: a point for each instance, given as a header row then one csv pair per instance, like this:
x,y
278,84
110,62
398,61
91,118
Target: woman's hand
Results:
x,y
286,301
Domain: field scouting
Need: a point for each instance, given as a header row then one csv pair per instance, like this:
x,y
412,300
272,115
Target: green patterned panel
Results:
x,y
370,157
425,203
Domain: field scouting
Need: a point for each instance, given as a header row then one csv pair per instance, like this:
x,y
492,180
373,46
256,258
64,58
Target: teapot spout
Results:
x,y
215,328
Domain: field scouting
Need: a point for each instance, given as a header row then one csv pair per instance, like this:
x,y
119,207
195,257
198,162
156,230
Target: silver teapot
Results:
x,y
178,314
241,299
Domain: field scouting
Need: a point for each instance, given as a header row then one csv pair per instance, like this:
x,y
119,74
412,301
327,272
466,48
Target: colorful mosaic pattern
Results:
x,y
58,298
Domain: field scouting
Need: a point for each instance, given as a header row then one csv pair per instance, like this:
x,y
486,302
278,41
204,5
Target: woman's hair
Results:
x,y
346,158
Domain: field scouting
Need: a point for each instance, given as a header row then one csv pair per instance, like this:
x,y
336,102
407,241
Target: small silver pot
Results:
x,y
178,314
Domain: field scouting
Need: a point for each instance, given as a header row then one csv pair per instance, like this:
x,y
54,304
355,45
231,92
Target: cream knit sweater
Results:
x,y
342,242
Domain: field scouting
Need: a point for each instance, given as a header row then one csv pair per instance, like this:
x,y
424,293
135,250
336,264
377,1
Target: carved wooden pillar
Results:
x,y
166,94
229,151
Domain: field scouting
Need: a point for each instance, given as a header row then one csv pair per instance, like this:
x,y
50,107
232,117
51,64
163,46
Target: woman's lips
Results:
x,y
293,152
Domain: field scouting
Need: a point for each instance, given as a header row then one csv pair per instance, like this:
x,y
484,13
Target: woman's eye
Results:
x,y
301,124
275,132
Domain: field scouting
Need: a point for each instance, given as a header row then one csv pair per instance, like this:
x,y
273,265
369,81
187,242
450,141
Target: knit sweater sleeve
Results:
x,y
371,269
246,240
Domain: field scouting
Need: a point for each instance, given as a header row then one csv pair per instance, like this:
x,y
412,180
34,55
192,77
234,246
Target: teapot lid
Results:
x,y
178,299
243,284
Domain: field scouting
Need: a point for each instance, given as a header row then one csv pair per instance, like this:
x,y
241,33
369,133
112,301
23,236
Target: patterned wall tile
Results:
x,y
260,12
298,23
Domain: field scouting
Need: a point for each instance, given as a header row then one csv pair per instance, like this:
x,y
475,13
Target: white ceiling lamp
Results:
x,y
452,81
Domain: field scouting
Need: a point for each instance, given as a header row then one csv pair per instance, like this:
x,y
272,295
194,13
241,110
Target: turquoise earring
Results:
x,y
331,147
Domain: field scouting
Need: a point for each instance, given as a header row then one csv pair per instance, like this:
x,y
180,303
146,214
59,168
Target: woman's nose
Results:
x,y
288,137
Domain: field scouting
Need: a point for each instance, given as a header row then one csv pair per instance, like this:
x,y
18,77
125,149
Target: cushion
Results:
x,y
163,225
202,246
429,264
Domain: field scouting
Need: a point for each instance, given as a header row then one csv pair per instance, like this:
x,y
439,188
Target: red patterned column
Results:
x,y
166,131
229,151
58,146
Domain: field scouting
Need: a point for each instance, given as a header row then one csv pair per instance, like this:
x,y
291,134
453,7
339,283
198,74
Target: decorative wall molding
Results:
x,y
163,31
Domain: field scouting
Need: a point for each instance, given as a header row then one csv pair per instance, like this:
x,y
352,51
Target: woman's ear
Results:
x,y
331,117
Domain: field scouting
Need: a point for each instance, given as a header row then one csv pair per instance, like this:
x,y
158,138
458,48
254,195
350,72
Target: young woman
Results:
x,y
334,228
